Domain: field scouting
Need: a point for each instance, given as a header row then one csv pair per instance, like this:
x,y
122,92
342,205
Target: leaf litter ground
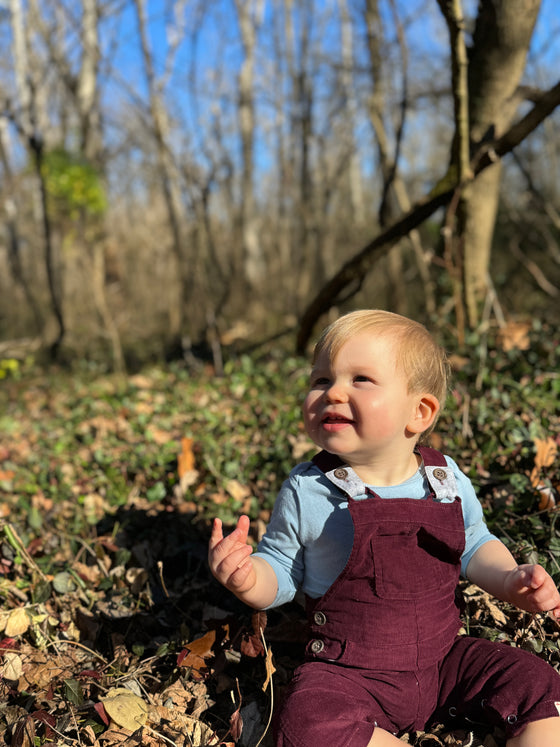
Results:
x,y
114,632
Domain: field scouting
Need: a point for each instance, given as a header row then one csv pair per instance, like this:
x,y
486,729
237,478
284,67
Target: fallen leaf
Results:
x,y
102,713
185,460
270,669
546,450
194,654
13,666
251,645
23,735
515,336
236,724
125,708
73,691
237,491
17,623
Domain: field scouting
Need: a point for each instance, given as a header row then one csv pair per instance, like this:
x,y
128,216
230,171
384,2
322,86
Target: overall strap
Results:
x,y
440,476
339,473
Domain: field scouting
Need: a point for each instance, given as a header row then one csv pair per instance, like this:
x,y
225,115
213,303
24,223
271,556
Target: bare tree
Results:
x,y
352,273
27,117
168,177
87,96
499,43
394,195
249,18
486,99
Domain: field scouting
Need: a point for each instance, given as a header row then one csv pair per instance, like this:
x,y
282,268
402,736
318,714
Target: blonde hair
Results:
x,y
422,360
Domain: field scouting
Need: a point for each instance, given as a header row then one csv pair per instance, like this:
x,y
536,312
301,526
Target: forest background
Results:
x,y
189,191
176,173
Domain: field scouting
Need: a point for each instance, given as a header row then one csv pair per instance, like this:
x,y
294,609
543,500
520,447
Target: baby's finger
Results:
x,y
537,576
235,560
242,529
239,576
217,534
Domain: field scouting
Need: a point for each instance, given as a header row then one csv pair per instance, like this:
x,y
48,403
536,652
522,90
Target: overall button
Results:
x,y
317,646
341,473
440,474
319,618
512,718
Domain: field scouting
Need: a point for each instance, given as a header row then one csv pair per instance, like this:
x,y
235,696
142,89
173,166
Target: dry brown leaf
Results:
x,y
41,669
89,573
87,737
546,451
196,652
24,733
185,460
113,736
270,669
125,708
197,733
497,614
158,436
515,336
13,666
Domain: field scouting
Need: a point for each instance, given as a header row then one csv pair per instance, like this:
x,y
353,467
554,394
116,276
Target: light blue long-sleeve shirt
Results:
x,y
309,538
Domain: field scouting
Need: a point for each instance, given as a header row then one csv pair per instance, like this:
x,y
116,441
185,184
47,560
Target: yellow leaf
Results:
x,y
237,491
125,708
18,622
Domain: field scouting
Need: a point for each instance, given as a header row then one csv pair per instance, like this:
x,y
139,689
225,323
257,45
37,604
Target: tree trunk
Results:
x,y
90,125
497,60
394,199
171,190
26,121
249,13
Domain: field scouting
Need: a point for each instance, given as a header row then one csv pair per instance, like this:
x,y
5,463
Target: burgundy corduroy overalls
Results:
x,y
384,649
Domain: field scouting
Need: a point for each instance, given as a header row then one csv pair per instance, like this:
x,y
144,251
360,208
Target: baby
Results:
x,y
376,531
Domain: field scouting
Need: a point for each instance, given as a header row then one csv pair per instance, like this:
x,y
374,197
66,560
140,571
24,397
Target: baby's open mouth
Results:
x,y
333,419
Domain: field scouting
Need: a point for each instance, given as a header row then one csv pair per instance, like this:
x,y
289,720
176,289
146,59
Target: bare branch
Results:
x,y
357,266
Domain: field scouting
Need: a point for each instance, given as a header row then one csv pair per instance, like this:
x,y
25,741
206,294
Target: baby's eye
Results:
x,y
319,381
363,379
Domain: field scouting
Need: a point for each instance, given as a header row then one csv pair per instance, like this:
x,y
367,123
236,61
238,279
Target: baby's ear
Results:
x,y
425,412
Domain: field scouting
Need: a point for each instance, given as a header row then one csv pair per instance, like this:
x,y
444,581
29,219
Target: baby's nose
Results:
x,y
336,393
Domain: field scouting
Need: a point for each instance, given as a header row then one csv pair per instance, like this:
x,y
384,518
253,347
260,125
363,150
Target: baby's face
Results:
x,y
359,405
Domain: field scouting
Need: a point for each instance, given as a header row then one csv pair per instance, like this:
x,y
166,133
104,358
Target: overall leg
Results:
x,y
327,704
492,683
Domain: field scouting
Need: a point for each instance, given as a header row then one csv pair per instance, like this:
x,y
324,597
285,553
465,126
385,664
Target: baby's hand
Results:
x,y
228,557
531,588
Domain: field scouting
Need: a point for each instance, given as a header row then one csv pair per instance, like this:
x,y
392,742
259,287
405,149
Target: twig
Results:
x,y
163,586
81,645
162,736
271,694
14,539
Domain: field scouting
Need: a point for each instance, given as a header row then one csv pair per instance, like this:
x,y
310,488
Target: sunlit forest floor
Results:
x,y
114,632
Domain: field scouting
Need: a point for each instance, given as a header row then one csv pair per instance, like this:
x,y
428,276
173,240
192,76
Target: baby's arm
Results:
x,y
251,579
528,587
